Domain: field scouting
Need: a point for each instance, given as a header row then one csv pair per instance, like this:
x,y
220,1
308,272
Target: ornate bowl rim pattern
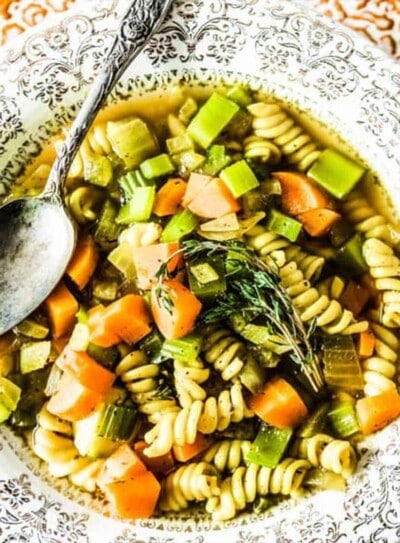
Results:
x,y
285,49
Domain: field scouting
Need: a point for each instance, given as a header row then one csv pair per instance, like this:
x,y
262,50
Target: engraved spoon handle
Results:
x,y
136,27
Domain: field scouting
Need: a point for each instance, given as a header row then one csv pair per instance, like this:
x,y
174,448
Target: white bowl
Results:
x,y
320,69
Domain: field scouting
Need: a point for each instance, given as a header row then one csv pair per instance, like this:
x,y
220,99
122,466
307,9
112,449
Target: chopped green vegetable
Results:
x,y
10,394
107,229
131,181
33,397
316,422
269,446
239,178
121,258
217,159
186,349
322,479
212,275
32,329
117,422
252,375
105,291
98,170
87,439
179,144
204,273
132,140
340,233
226,223
139,207
262,335
106,356
34,356
211,119
152,345
283,225
336,173
188,161
157,166
350,258
342,367
240,96
343,419
187,110
181,224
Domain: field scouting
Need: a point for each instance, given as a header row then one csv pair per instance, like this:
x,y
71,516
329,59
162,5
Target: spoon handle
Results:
x,y
137,25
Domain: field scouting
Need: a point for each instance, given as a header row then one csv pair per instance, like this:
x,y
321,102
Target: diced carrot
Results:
x,y
213,201
196,183
279,404
317,222
157,464
134,498
86,370
175,309
169,197
83,262
366,344
149,258
127,319
300,193
73,401
354,297
61,307
122,464
186,452
376,412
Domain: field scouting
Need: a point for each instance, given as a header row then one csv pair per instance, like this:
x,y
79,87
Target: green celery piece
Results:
x,y
121,258
239,178
217,160
315,423
240,96
340,233
4,413
261,335
179,144
211,119
132,140
152,345
269,446
336,173
188,161
131,181
187,110
107,229
211,288
343,419
117,422
33,329
181,224
106,356
349,257
10,394
139,207
284,225
342,367
322,479
106,291
252,375
34,356
157,166
186,349
204,273
87,439
98,170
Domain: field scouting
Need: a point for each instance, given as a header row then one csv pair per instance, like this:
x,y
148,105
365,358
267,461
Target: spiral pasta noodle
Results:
x,y
224,351
52,442
257,148
227,454
366,220
310,265
271,122
191,482
142,379
181,427
187,379
246,483
337,455
268,245
384,267
84,203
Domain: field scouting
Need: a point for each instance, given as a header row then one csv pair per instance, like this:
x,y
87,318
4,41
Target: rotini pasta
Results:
x,y
257,148
384,267
187,380
227,454
273,123
192,482
310,265
84,203
246,483
224,351
268,245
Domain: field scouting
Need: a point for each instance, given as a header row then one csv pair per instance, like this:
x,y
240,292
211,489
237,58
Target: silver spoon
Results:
x,y
37,235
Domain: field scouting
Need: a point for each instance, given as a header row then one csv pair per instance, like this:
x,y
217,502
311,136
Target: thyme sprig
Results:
x,y
256,289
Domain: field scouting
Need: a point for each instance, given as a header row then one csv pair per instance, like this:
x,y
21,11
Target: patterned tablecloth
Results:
x,y
379,20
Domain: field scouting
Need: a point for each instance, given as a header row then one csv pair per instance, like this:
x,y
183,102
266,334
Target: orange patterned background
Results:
x,y
379,20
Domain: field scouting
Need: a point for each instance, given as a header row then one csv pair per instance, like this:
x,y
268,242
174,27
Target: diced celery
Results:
x,y
10,394
252,375
107,229
32,398
340,233
98,170
152,345
226,223
157,166
117,422
179,144
204,273
121,258
342,367
239,178
139,207
284,225
106,291
216,283
188,161
211,119
315,423
34,356
131,181
217,159
240,96
269,446
87,439
350,257
132,140
336,173
322,479
33,329
186,349
181,224
187,110
4,413
106,356
343,419
262,335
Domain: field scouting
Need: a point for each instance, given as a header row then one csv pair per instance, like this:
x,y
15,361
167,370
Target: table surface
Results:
x,y
378,20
